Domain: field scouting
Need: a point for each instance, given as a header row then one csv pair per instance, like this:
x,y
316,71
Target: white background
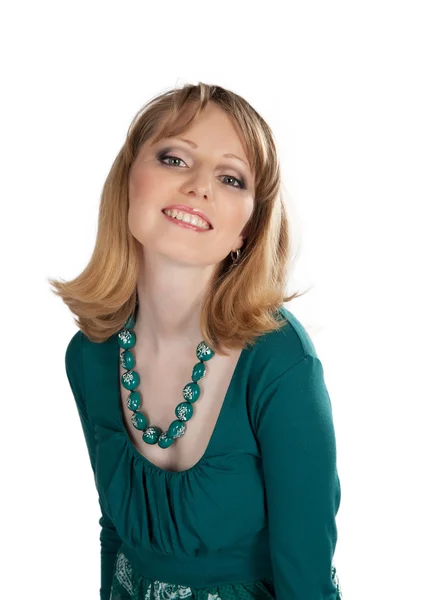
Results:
x,y
349,89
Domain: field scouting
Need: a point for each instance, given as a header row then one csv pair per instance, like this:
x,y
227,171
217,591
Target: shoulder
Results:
x,y
278,351
74,359
295,336
73,353
286,382
82,348
74,368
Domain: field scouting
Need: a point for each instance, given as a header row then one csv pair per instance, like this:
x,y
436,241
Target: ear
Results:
x,y
240,243
243,235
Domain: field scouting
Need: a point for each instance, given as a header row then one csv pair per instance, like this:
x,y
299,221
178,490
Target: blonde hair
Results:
x,y
240,303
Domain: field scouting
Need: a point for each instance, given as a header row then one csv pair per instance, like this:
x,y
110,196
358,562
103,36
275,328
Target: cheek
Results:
x,y
148,185
138,185
237,216
141,178
146,194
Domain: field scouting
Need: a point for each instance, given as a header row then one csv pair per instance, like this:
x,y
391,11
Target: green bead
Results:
x,y
165,441
184,411
130,380
139,421
126,338
151,435
198,371
204,352
127,359
176,429
191,392
133,401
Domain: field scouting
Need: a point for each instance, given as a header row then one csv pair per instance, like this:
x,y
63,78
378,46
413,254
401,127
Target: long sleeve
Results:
x,y
298,447
109,538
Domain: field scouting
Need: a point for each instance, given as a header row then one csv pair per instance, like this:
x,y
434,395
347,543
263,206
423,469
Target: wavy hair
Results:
x,y
241,303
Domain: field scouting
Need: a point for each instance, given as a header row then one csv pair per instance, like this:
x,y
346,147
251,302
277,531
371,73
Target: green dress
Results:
x,y
255,517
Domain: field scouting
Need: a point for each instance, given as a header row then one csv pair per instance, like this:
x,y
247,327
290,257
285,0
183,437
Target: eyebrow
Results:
x,y
227,155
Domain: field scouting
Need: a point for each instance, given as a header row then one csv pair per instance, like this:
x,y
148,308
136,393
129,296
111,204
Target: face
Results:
x,y
200,177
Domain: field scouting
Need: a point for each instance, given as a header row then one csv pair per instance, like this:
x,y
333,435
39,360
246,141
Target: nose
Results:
x,y
199,183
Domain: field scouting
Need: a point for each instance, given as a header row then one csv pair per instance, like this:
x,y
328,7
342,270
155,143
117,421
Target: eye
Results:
x,y
164,157
239,181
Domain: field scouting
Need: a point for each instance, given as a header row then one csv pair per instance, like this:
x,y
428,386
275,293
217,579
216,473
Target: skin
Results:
x,y
177,263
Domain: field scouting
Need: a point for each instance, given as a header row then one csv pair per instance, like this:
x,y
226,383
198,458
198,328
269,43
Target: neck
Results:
x,y
169,303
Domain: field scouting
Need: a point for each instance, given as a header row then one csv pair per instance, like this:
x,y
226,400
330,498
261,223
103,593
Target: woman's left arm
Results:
x,y
298,447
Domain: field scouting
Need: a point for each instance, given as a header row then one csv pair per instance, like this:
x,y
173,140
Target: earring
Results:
x,y
235,260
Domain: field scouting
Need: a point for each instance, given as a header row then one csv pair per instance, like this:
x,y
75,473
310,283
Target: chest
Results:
x,y
160,389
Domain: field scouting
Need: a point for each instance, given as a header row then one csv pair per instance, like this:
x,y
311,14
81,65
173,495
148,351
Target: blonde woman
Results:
x,y
202,399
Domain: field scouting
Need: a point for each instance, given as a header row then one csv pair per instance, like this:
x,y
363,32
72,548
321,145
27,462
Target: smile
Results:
x,y
187,224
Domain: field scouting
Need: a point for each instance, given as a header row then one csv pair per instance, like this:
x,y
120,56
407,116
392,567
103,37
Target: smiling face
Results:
x,y
197,175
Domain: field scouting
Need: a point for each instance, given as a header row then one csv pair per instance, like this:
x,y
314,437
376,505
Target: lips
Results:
x,y
187,224
189,210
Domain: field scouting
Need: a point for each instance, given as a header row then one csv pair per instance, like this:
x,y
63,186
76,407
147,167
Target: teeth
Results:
x,y
187,218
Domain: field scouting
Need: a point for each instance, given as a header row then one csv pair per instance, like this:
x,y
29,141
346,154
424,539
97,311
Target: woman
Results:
x,y
230,489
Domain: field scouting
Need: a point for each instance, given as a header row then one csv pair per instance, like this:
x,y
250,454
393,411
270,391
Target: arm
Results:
x,y
298,448
109,539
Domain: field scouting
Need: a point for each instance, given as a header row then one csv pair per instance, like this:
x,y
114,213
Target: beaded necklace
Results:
x,y
130,380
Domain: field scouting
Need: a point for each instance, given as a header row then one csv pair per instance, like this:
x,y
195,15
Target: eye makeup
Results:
x,y
164,153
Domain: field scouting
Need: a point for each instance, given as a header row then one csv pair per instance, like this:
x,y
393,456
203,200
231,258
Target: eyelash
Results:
x,y
242,184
